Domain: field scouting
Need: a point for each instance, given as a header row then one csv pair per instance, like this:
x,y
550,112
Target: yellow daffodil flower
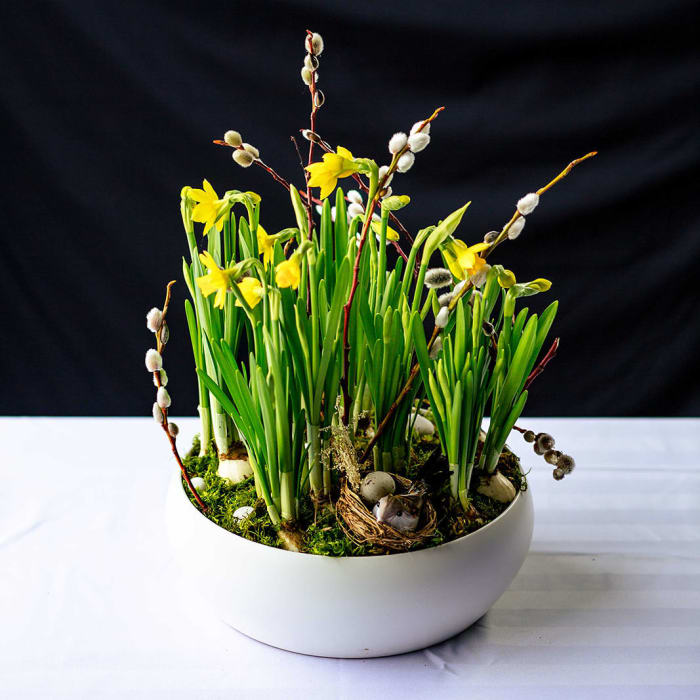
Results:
x,y
216,280
266,245
252,290
463,260
220,281
391,234
288,272
334,166
209,207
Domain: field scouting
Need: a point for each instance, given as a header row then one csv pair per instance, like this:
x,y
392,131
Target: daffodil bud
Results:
x,y
442,318
163,378
528,203
445,299
355,210
157,414
405,162
506,278
397,142
396,202
436,348
516,228
311,62
163,397
491,237
383,174
417,142
314,44
154,319
197,483
354,196
233,138
438,277
252,150
243,158
173,429
154,361
416,128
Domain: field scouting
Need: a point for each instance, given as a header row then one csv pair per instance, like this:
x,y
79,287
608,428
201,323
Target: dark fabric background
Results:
x,y
109,108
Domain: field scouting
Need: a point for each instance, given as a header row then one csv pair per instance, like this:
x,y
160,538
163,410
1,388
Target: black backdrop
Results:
x,y
110,107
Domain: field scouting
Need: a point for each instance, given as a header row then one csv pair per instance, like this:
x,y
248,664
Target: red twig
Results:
x,y
551,354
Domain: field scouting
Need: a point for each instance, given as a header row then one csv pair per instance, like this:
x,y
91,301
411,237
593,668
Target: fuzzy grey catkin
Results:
x,y
438,277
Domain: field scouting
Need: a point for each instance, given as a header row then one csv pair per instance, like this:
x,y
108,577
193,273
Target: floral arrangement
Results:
x,y
344,365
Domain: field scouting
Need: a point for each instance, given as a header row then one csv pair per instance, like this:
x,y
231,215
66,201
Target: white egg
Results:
x,y
197,482
422,425
243,512
375,485
235,470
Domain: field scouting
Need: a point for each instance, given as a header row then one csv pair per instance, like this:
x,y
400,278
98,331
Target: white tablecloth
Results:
x,y
607,604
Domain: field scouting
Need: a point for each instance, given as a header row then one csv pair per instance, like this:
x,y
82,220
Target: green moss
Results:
x,y
321,532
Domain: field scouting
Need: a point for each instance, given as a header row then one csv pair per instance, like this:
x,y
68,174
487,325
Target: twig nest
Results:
x,y
376,485
361,526
243,512
422,426
498,487
235,470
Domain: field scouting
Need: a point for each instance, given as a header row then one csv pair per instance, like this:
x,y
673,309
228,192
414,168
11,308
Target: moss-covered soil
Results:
x,y
320,531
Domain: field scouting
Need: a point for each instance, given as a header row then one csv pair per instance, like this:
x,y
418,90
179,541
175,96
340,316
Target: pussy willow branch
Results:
x,y
306,196
436,331
326,147
156,376
312,122
381,185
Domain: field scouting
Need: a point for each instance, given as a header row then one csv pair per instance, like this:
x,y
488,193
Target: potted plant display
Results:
x,y
350,492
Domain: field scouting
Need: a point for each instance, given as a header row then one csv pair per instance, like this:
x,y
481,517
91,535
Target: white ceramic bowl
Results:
x,y
350,607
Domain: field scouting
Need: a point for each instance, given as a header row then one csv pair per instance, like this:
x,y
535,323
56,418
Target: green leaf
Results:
x,y
443,230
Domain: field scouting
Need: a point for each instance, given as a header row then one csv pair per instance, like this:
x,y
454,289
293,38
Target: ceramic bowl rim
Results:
x,y
483,528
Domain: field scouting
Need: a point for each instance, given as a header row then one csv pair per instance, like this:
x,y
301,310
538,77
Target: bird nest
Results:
x,y
359,524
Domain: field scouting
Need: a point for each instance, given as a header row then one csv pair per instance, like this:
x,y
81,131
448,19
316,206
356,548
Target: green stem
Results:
x,y
315,467
288,499
205,429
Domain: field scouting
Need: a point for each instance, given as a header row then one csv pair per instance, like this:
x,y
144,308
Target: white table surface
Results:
x,y
607,604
